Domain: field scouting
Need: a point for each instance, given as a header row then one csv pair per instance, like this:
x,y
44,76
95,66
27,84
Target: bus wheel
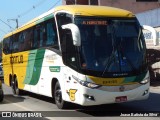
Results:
x,y
15,88
1,96
61,104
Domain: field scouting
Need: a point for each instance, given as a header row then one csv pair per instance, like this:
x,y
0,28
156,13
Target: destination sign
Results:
x,y
94,22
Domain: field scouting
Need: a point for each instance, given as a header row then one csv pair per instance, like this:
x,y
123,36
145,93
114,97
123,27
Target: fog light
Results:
x,y
89,97
145,92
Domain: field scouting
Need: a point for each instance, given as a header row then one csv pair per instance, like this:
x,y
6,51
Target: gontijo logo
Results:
x,y
16,59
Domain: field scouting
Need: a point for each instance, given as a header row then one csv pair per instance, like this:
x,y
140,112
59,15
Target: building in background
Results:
x,y
136,6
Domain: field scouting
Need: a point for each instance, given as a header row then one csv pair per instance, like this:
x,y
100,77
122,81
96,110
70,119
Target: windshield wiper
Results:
x,y
127,59
112,56
110,60
120,55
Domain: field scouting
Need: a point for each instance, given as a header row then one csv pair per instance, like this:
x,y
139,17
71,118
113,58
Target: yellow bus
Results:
x,y
88,55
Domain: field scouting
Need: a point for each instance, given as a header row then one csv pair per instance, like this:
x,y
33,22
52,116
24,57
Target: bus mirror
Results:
x,y
75,33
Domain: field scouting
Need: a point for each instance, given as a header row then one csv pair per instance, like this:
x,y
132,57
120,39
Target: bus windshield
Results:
x,y
111,44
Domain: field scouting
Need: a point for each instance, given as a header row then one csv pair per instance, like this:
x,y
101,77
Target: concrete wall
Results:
x,y
151,17
130,5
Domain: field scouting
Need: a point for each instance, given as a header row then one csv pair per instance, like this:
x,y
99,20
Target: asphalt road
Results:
x,y
32,104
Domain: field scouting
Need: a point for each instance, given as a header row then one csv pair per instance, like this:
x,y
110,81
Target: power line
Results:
x,y
16,20
6,24
33,7
29,10
55,4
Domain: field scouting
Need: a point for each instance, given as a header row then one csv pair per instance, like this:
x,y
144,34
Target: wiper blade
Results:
x,y
112,56
110,60
128,61
119,55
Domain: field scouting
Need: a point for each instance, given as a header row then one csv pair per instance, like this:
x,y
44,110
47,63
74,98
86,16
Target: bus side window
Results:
x,y
42,36
62,19
15,43
36,40
27,39
52,39
39,36
50,34
21,41
7,45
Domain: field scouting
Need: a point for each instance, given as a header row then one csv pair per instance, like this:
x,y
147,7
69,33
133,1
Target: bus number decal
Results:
x,y
71,94
16,59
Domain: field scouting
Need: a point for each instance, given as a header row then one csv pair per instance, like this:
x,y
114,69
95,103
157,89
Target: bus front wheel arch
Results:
x,y
57,95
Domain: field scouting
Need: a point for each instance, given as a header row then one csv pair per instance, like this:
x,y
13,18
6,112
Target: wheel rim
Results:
x,y
13,86
58,95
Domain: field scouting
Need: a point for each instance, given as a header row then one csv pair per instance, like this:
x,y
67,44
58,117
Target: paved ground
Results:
x,y
33,102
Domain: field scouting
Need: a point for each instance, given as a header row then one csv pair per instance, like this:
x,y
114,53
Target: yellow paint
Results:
x,y
72,93
28,25
19,69
86,10
107,81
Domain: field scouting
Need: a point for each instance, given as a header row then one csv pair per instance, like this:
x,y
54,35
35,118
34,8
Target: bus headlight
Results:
x,y
146,80
86,84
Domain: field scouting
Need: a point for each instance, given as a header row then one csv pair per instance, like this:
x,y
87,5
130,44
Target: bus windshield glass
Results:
x,y
111,44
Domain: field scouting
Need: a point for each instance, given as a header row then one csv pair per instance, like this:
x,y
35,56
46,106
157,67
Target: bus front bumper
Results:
x,y
96,97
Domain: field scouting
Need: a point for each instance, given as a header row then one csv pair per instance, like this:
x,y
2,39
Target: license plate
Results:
x,y
121,99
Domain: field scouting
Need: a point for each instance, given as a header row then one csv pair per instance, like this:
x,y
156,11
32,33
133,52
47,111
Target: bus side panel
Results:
x,y
43,66
51,68
7,70
34,66
20,62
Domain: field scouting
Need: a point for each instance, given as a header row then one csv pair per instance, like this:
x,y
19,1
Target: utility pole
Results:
x,y
14,20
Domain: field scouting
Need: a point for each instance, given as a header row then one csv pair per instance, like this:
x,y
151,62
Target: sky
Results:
x,y
23,10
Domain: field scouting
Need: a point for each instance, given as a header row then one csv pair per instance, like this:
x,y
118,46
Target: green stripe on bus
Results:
x,y
135,78
140,77
45,18
31,61
129,79
34,66
37,67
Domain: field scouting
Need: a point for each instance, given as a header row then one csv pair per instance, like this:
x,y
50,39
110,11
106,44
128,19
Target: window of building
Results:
x,y
146,0
93,2
70,2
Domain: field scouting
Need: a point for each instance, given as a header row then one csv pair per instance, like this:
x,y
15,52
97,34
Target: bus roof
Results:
x,y
90,10
83,10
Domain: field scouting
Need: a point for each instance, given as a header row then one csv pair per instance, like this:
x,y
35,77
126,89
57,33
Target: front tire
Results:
x,y
61,104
